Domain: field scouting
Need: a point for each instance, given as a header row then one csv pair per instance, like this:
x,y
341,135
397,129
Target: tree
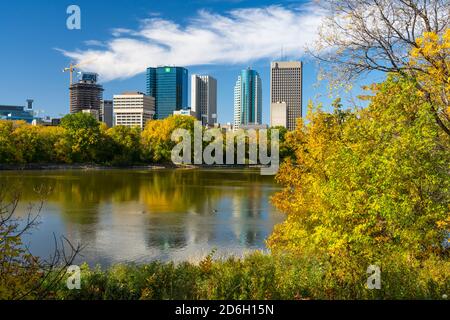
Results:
x,y
23,275
81,138
126,143
369,186
360,36
7,150
156,137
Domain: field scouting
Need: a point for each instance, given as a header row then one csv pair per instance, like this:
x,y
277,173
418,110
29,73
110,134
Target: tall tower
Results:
x,y
86,94
204,98
247,99
169,87
286,79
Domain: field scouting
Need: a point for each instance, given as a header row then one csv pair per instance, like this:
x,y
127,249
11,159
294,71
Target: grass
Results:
x,y
258,276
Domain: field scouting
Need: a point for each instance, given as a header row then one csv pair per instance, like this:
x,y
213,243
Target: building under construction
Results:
x,y
86,94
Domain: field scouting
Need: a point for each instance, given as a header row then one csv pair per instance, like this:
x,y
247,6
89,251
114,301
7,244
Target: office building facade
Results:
x,y
204,98
107,112
86,94
286,79
133,109
247,99
8,112
278,114
169,87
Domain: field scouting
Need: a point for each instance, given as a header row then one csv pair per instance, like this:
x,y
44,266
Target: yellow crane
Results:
x,y
72,67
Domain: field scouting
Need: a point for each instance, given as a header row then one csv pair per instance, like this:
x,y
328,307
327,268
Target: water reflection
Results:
x,y
139,216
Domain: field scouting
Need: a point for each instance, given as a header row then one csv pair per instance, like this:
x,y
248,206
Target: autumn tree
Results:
x,y
7,150
81,139
367,187
126,144
156,137
22,274
361,36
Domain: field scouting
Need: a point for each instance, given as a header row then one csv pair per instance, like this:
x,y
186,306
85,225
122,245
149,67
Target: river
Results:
x,y
138,216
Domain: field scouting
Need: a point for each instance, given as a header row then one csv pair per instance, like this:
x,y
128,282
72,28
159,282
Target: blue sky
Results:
x,y
123,37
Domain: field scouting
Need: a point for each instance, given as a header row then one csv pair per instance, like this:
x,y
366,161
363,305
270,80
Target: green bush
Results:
x,y
257,276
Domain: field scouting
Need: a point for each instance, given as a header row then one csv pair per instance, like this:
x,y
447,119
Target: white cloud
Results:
x,y
239,36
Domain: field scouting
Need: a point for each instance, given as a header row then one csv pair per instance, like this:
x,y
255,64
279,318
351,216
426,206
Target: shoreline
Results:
x,y
163,166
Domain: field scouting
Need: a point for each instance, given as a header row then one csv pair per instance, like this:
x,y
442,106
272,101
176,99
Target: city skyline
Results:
x,y
33,60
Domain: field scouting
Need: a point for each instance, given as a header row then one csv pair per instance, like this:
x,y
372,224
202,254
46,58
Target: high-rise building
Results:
x,y
169,87
133,109
107,113
204,98
278,114
86,94
285,92
247,99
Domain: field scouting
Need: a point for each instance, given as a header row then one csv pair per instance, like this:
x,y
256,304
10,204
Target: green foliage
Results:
x,y
257,276
156,137
126,144
81,139
369,187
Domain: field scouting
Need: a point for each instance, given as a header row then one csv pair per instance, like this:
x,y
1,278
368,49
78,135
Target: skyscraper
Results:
x,y
247,99
169,87
285,93
204,98
86,94
107,112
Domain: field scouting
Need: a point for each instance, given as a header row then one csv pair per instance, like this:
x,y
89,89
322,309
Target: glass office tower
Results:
x,y
247,99
169,87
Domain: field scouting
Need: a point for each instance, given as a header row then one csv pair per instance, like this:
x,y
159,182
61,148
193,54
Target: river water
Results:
x,y
138,216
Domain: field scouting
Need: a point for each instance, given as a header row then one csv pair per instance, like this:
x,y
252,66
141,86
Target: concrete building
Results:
x,y
46,122
224,127
86,94
185,112
93,112
107,112
169,86
133,109
254,126
204,98
8,112
15,113
278,114
286,87
247,99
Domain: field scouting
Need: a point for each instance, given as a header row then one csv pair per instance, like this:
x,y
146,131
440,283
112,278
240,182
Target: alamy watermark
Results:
x,y
74,280
73,22
213,153
374,280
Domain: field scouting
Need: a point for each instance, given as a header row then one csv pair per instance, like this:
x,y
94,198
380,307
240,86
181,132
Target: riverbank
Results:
x,y
81,166
52,166
257,276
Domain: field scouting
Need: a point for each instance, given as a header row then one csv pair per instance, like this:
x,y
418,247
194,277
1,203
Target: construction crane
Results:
x,y
72,67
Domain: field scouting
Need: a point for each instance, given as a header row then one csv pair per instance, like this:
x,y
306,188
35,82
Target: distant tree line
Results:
x,y
82,139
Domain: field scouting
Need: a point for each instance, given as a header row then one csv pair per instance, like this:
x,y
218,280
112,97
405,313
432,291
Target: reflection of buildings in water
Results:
x,y
118,235
200,227
165,231
141,216
247,210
